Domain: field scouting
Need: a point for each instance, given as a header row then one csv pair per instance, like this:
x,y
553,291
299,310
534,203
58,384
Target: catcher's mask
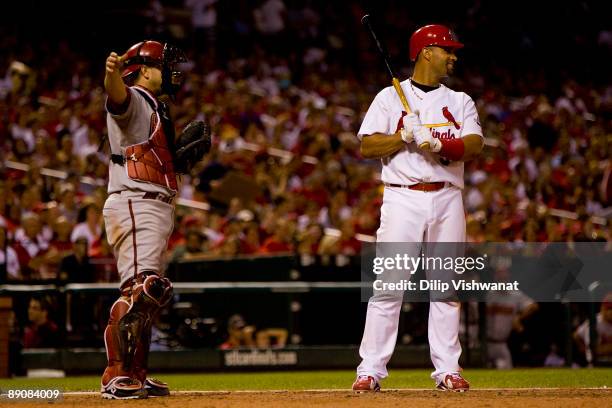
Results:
x,y
165,57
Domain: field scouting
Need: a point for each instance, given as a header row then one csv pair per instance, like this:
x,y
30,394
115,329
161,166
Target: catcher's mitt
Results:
x,y
191,145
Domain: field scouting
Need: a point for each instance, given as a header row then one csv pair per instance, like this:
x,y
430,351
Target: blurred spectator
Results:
x,y
603,346
89,226
62,229
238,333
30,246
41,331
9,263
76,268
270,16
281,240
204,23
553,359
309,239
242,335
196,245
20,83
506,311
344,243
68,205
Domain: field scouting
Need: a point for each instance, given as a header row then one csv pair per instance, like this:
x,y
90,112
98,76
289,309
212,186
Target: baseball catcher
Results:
x,y
146,160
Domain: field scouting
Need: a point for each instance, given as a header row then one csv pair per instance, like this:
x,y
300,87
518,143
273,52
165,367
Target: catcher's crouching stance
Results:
x,y
146,160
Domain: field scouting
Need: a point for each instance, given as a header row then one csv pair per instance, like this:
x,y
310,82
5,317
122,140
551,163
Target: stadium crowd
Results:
x,y
285,174
286,166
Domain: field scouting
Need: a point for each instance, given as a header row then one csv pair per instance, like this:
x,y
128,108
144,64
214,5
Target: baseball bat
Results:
x,y
365,20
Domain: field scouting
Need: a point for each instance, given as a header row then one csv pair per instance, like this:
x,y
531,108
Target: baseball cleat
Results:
x,y
123,388
366,383
453,382
156,388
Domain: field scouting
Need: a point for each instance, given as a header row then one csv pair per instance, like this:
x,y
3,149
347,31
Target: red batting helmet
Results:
x,y
433,34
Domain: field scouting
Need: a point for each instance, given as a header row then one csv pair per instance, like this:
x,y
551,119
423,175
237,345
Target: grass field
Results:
x,y
310,380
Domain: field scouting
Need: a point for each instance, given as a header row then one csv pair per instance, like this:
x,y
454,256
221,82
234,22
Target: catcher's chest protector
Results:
x,y
151,161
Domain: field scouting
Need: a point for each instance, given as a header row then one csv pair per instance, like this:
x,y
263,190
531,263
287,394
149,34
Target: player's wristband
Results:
x,y
452,149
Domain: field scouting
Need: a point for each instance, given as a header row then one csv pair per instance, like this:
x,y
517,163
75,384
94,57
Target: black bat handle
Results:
x,y
365,20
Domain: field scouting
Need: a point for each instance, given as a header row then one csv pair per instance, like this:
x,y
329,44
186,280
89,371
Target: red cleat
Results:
x,y
453,382
366,383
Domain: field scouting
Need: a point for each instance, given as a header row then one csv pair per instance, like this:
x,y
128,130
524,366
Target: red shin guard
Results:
x,y
112,341
128,334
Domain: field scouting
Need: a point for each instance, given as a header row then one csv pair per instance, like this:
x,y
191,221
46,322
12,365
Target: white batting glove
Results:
x,y
422,135
406,131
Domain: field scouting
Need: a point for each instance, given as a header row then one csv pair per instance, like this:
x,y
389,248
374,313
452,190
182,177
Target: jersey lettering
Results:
x,y
442,135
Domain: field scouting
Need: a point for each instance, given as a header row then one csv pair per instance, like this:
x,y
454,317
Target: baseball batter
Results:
x,y
138,213
422,197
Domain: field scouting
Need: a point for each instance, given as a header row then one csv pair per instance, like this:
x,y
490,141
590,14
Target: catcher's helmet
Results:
x,y
165,57
433,34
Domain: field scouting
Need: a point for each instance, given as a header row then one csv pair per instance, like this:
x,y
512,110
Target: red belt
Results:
x,y
435,186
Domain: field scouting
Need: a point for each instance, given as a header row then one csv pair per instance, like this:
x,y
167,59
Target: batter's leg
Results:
x,y
444,317
402,220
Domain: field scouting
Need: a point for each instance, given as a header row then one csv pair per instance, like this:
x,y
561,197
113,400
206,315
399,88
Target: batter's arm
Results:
x,y
379,145
473,145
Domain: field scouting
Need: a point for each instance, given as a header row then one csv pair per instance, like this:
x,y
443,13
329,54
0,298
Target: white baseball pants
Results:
x,y
137,229
415,216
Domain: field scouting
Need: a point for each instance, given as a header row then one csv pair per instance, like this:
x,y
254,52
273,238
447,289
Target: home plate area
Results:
x,y
517,397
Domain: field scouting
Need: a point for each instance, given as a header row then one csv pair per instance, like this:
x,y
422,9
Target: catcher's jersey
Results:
x,y
447,114
129,128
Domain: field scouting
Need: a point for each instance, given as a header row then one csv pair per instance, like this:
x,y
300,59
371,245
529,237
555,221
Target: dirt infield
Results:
x,y
523,398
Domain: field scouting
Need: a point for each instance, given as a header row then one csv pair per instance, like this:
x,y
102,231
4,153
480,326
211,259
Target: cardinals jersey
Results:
x,y
446,113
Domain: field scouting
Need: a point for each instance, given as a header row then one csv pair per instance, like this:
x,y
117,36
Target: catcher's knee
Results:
x,y
152,289
119,309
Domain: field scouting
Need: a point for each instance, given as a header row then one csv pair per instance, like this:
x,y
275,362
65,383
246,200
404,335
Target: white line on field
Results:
x,y
342,390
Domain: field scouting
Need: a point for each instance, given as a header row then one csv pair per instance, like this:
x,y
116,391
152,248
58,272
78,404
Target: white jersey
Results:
x,y
447,114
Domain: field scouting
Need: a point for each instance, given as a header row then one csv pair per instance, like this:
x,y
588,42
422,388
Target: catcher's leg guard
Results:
x,y
113,341
128,333
150,293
